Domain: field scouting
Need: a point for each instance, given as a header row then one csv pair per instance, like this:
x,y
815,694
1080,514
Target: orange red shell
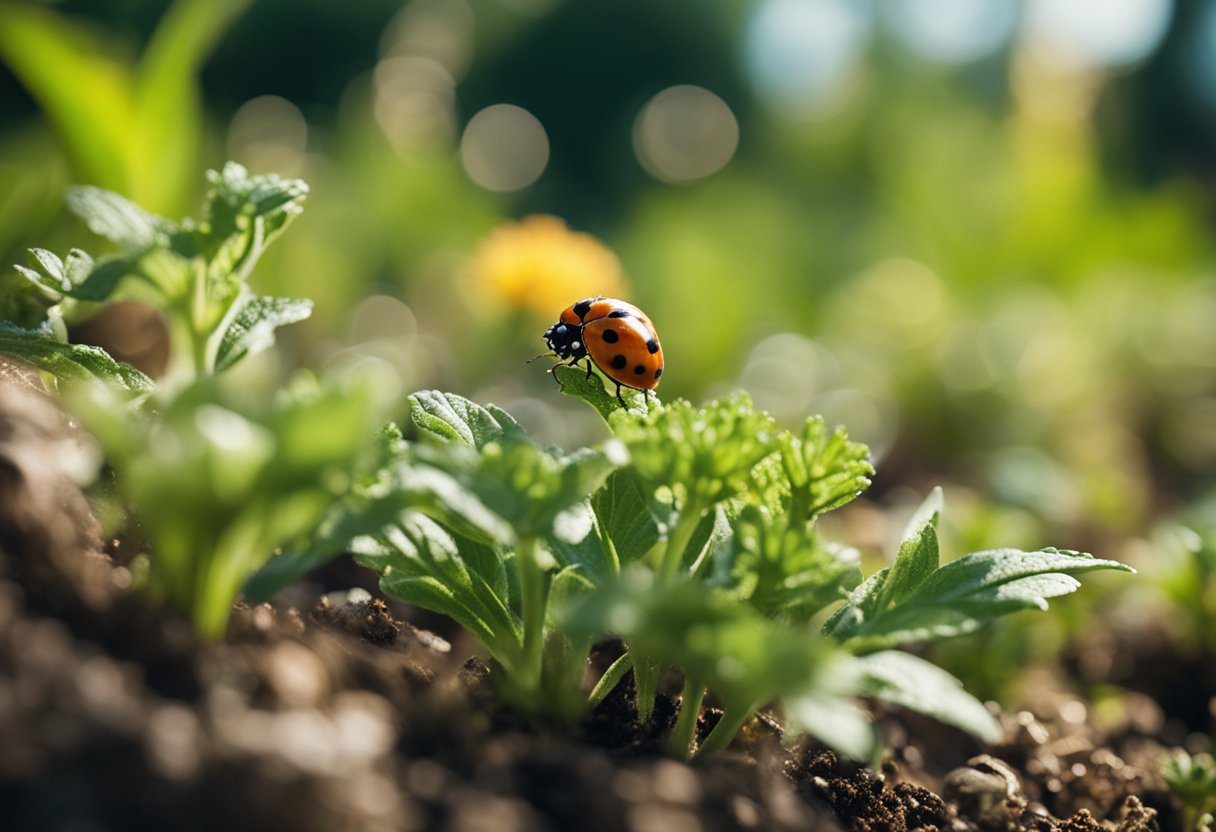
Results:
x,y
620,339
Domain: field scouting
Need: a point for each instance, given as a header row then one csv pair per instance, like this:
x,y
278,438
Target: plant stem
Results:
x,y
611,678
726,729
683,733
677,541
534,588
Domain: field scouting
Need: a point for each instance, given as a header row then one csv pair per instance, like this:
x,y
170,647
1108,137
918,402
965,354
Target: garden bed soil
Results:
x,y
334,712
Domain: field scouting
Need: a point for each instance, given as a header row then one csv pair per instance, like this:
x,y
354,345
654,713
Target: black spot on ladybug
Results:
x,y
619,362
658,373
639,370
582,308
610,336
618,313
653,346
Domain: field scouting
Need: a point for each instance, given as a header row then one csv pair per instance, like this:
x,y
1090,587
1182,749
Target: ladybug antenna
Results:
x,y
542,355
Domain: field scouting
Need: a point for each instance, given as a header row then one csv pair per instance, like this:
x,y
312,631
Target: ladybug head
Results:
x,y
565,340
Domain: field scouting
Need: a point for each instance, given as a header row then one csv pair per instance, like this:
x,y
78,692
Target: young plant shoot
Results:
x,y
218,478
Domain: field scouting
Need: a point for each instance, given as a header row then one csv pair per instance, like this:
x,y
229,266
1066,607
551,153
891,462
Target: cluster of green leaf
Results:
x,y
1187,575
1193,778
691,534
195,272
218,478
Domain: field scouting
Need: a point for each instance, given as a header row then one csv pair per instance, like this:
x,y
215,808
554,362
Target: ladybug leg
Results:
x,y
619,397
588,368
562,363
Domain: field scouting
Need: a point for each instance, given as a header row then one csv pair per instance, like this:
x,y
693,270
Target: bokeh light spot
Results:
x,y
685,133
504,148
268,133
414,100
951,31
1099,32
441,30
799,54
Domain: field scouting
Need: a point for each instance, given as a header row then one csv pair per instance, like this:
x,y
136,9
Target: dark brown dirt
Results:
x,y
338,714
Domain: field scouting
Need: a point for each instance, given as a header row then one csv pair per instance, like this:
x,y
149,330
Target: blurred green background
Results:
x,y
975,232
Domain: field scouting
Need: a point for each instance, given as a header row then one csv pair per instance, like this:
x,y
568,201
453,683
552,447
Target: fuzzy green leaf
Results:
x,y
706,454
576,382
825,470
902,679
71,363
252,330
221,481
624,517
422,563
119,220
451,417
391,483
832,719
960,596
489,454
576,544
918,555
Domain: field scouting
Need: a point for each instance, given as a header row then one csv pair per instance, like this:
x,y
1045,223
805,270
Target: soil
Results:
x,y
341,711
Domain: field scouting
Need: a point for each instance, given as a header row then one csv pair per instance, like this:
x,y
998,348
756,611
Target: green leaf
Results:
x,y
902,679
706,455
490,456
119,220
832,719
960,596
102,279
252,330
422,563
712,537
250,209
71,363
133,128
821,576
740,654
825,470
410,481
451,417
918,555
576,544
575,382
1191,777
221,480
623,515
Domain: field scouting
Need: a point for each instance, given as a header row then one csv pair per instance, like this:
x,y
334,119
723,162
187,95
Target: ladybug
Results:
x,y
615,336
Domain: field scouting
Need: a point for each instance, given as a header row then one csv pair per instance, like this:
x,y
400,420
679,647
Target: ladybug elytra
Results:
x,y
614,335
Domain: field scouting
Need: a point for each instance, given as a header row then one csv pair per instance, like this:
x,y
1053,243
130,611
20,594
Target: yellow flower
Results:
x,y
540,265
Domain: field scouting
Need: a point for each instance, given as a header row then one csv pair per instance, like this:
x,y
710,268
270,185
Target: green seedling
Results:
x,y
1193,778
691,534
745,498
218,483
477,521
218,478
195,272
